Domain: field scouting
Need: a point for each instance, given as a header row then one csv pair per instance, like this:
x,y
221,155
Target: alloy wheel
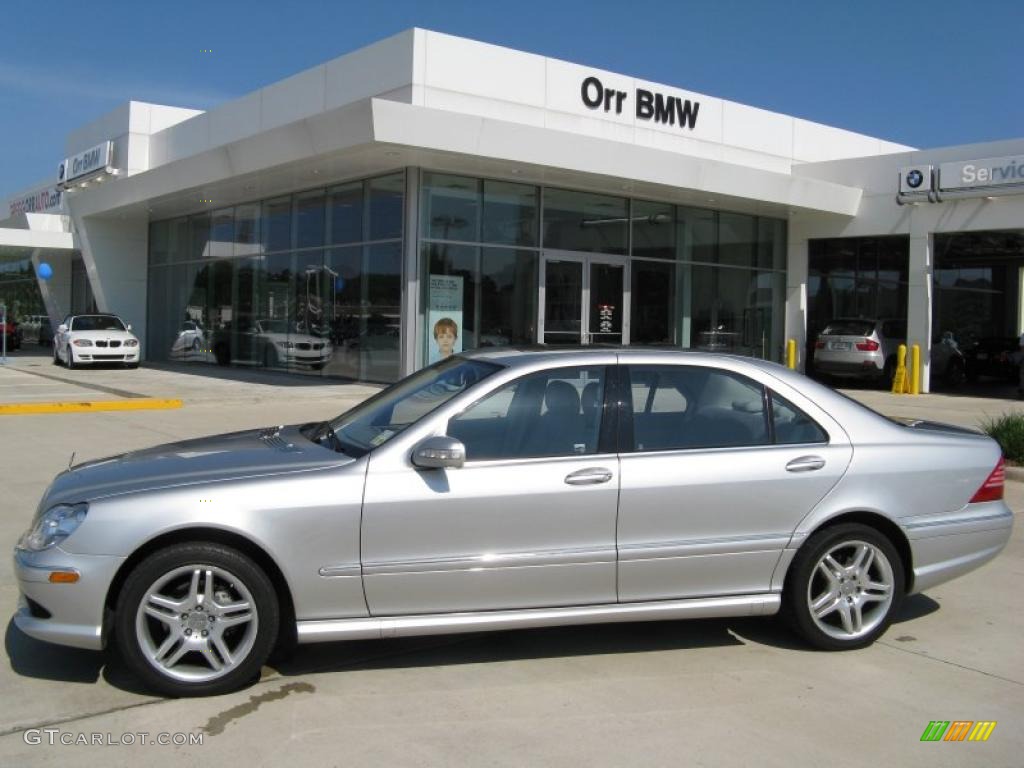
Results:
x,y
196,623
850,590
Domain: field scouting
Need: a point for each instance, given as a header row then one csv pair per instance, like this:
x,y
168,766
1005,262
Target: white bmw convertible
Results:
x,y
87,339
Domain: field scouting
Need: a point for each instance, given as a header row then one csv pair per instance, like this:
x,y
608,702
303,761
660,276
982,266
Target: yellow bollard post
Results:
x,y
915,370
791,354
899,379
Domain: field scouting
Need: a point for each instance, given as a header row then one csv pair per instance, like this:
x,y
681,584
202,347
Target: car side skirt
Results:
x,y
447,623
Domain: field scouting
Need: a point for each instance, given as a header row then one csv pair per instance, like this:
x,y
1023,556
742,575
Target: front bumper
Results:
x,y
75,610
949,545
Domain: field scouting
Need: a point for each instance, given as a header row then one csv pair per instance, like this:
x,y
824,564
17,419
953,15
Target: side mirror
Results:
x,y
129,326
62,328
439,452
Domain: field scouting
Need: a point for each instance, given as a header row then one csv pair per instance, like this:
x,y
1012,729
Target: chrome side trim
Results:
x,y
331,571
484,621
734,545
493,560
967,520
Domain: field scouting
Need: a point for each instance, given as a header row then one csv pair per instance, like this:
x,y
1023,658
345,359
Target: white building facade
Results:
x,y
429,193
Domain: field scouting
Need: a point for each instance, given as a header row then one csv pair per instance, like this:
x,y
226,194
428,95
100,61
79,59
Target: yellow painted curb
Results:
x,y
136,404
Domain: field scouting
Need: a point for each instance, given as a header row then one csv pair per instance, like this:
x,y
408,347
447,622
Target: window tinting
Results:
x,y
549,413
676,407
793,426
849,328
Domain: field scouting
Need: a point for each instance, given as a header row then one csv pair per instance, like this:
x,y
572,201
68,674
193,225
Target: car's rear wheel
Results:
x,y
844,587
197,619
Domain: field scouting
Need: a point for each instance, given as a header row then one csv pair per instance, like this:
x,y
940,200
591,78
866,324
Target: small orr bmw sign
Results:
x,y
86,165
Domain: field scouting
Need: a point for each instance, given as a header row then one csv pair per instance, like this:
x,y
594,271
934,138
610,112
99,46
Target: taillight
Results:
x,y
819,344
992,488
868,345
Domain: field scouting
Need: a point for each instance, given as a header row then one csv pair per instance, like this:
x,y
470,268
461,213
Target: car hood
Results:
x,y
256,452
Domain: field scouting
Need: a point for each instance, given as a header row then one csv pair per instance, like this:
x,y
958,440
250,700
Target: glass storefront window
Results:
x,y
178,240
159,243
654,307
345,213
738,311
247,229
277,225
697,232
581,221
653,226
771,244
222,234
450,207
510,213
737,239
309,220
385,197
508,297
199,235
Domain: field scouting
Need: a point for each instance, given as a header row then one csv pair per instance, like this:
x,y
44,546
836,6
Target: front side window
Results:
x,y
676,407
383,416
550,413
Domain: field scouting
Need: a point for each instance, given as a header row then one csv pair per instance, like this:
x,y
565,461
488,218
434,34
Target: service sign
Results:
x,y
915,179
91,162
989,172
42,201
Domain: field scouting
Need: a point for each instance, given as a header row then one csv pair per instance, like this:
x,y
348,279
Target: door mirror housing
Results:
x,y
129,326
62,328
439,452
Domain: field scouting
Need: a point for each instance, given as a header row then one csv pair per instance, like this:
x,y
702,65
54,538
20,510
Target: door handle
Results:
x,y
589,476
805,464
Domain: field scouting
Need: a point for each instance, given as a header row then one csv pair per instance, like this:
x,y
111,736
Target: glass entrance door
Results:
x,y
585,300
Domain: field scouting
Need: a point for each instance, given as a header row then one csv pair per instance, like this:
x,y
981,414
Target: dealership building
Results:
x,y
427,193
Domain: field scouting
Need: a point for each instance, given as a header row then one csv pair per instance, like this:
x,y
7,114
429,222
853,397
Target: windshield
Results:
x,y
383,416
849,328
97,323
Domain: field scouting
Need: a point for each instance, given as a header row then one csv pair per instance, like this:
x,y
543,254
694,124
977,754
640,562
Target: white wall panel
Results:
x,y
479,69
757,129
236,119
292,99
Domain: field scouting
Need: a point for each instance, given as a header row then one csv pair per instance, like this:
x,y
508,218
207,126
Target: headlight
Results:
x,y
53,526
82,343
132,343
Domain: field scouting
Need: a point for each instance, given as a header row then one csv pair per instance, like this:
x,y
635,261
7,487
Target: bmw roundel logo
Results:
x,y
60,172
914,179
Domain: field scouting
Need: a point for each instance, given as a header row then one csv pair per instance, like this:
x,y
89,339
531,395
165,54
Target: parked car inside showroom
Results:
x,y
95,338
866,349
512,488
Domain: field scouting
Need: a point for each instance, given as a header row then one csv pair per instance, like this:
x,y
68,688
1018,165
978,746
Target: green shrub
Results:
x,y
1008,431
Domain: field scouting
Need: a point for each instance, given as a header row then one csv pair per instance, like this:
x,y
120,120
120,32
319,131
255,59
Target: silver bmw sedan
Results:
x,y
512,488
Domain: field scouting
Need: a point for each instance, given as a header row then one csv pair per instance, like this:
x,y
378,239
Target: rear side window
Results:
x,y
849,328
677,407
792,426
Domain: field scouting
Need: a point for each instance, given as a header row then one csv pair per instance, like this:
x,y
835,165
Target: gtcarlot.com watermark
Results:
x,y
56,737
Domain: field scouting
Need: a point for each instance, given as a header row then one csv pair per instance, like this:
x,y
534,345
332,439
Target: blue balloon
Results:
x,y
339,284
45,271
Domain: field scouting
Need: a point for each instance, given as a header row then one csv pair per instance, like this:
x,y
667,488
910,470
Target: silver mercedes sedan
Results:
x,y
512,488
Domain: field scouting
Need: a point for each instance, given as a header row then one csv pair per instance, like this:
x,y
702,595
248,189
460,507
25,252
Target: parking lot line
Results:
x,y
89,406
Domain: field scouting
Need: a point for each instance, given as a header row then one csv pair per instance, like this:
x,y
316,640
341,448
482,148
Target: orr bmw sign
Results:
x,y
92,163
663,108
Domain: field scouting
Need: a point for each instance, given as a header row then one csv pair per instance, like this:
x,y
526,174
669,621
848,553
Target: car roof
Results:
x,y
528,354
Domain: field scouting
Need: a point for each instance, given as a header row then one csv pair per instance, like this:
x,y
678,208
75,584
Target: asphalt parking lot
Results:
x,y
713,692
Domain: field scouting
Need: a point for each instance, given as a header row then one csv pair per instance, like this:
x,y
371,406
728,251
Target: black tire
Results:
x,y
131,366
888,373
803,574
71,360
178,556
56,357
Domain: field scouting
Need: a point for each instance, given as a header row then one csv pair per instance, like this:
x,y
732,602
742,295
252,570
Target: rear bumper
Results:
x,y
949,545
859,368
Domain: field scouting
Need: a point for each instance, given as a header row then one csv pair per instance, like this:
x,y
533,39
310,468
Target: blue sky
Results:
x,y
921,73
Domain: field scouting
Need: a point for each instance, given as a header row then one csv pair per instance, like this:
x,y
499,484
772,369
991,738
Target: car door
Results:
x,y
528,521
717,471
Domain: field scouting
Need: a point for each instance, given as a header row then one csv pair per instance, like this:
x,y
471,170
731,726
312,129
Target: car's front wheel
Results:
x,y
844,587
70,358
197,619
